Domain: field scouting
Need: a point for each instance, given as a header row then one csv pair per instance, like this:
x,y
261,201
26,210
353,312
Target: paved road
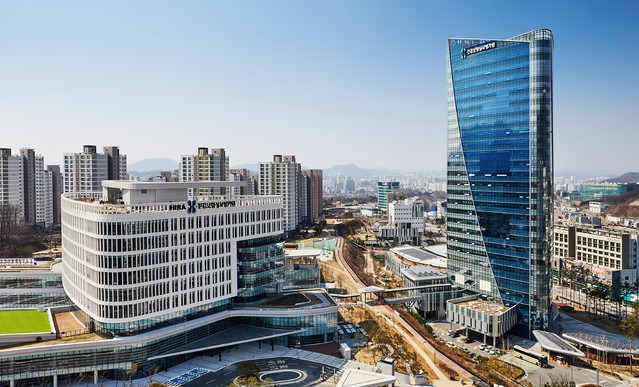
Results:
x,y
225,376
540,376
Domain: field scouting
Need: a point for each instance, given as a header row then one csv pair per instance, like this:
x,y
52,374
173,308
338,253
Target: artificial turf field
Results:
x,y
23,321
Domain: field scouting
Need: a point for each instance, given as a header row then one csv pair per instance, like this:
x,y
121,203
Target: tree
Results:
x,y
630,328
560,383
248,369
9,221
616,295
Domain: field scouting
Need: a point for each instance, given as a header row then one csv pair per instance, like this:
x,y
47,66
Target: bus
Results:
x,y
530,356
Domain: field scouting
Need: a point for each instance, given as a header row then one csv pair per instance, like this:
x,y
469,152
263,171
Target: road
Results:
x,y
411,336
312,372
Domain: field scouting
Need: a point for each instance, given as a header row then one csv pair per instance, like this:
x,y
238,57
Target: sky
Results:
x,y
333,82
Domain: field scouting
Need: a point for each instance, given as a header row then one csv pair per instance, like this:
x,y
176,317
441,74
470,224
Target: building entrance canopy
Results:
x,y
238,334
553,343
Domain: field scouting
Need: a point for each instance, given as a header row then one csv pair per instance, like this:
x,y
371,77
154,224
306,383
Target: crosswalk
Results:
x,y
186,377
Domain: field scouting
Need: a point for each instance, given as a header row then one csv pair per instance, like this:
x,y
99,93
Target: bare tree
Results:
x,y
9,221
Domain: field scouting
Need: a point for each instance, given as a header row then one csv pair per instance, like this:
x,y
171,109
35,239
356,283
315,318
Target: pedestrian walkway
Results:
x,y
187,371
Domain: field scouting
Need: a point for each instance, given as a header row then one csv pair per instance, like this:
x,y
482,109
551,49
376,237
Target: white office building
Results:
x,y
283,177
405,221
159,254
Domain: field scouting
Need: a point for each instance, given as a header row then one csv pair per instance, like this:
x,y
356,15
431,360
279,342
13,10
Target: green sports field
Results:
x,y
23,321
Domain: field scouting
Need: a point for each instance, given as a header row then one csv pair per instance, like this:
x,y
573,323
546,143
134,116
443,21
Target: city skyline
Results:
x,y
156,74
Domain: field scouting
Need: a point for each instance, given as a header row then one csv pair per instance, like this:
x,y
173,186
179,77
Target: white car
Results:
x,y
450,344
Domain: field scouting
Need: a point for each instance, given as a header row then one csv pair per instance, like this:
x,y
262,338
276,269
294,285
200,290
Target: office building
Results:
x,y
205,166
590,191
609,252
500,171
405,222
383,190
85,172
283,176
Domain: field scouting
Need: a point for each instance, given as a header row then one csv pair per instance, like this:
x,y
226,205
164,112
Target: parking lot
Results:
x,y
474,345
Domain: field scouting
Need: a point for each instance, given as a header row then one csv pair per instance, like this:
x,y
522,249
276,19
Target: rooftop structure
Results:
x,y
418,274
553,343
419,256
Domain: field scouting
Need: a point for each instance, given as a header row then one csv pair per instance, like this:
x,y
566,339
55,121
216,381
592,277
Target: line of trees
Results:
x,y
597,293
9,222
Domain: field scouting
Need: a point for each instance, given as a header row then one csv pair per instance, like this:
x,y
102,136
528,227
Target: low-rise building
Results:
x,y
421,276
402,257
481,315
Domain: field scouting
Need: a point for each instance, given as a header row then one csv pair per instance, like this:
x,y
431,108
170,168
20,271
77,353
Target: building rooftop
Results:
x,y
601,342
23,321
551,342
295,300
302,253
416,273
161,185
235,335
419,256
481,305
360,378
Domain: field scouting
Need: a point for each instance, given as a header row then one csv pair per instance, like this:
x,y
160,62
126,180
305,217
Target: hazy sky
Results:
x,y
333,82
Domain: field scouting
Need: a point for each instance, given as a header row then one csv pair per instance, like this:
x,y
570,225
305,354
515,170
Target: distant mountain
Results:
x,y
152,165
354,171
628,177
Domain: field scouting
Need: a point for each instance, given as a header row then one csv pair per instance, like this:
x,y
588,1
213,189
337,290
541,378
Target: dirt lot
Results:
x,y
372,354
332,272
66,322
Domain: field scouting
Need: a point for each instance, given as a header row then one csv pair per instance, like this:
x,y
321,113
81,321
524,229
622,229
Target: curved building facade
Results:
x,y
133,266
500,170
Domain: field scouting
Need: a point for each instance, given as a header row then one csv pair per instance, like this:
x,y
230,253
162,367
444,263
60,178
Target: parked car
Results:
x,y
450,344
468,340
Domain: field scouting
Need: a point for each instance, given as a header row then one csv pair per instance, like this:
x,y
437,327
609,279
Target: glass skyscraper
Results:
x,y
500,171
